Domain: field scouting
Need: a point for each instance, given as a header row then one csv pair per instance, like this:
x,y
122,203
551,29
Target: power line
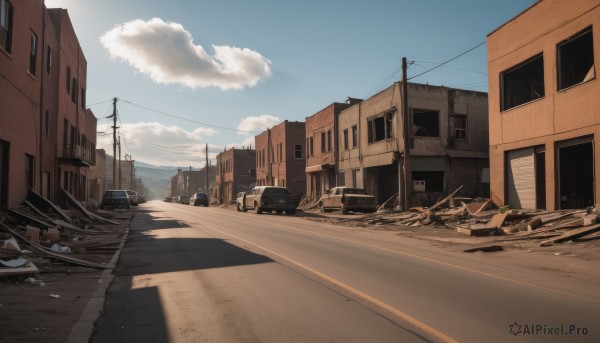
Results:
x,y
98,103
448,61
186,119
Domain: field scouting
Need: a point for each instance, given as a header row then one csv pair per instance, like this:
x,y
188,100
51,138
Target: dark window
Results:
x,y
29,170
329,140
460,126
576,60
426,123
74,90
323,142
32,53
345,139
83,98
434,180
48,60
298,151
280,152
380,127
6,18
354,136
312,151
523,83
68,80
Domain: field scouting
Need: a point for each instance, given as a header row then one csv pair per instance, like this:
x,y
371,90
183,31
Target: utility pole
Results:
x,y
406,123
206,155
114,115
119,143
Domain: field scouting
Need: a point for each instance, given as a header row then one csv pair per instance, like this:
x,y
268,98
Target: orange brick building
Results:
x,y
544,106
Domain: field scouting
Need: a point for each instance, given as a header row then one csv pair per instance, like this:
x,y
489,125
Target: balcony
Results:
x,y
76,155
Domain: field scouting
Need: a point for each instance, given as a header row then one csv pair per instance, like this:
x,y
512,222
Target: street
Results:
x,y
191,274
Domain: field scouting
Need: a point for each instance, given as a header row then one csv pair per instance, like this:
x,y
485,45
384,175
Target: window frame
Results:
x,y
386,119
6,14
298,149
559,58
465,130
504,106
354,136
346,146
31,69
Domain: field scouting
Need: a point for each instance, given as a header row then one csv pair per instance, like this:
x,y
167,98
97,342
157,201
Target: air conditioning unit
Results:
x,y
419,185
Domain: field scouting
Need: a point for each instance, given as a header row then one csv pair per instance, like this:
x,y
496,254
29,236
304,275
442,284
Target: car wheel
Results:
x,y
290,211
279,211
343,209
322,207
257,209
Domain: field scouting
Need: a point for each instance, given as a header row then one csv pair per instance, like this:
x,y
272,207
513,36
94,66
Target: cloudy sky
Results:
x,y
192,73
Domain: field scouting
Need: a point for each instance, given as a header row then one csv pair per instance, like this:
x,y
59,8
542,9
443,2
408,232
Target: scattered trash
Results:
x,y
59,248
54,296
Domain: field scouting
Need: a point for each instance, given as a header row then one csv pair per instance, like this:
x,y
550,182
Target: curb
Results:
x,y
83,328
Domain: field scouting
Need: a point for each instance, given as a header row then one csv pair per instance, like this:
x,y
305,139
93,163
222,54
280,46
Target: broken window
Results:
x,y
426,123
523,84
576,59
380,127
354,136
6,18
460,126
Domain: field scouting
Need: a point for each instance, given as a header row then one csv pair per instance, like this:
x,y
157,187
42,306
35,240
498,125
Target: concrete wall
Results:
x,y
559,115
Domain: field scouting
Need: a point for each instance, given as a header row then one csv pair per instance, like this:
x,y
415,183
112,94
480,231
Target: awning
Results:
x,y
317,168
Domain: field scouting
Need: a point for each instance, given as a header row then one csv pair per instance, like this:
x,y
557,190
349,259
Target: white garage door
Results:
x,y
521,178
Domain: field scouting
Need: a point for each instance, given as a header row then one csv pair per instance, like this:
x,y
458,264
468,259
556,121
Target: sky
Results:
x,y
192,73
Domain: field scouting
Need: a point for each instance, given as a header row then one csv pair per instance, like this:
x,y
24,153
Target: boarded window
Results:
x,y
576,60
523,83
426,123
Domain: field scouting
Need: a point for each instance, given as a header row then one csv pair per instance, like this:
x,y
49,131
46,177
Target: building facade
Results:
x,y
280,157
544,106
447,138
321,148
188,182
235,173
36,149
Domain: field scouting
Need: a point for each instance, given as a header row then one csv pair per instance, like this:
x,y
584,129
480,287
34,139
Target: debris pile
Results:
x,y
41,236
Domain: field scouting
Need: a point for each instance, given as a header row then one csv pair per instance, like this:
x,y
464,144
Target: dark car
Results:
x,y
183,199
270,198
199,199
115,199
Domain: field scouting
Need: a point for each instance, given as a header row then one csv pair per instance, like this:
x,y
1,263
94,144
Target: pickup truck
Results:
x,y
269,198
347,199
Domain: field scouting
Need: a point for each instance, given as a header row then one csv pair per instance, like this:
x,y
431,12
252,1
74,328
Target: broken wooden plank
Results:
x,y
37,211
498,220
584,231
72,200
478,230
35,198
47,252
31,219
478,206
445,199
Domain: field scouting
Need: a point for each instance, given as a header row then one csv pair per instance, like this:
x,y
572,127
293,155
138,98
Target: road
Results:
x,y
195,274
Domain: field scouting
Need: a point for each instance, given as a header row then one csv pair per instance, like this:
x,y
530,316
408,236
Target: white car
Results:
x,y
133,198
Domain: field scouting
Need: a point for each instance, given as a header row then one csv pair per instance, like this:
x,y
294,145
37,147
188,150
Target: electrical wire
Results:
x,y
448,61
182,118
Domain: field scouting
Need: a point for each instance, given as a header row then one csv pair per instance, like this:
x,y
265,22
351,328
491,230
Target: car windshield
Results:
x,y
131,192
354,191
276,191
115,194
200,195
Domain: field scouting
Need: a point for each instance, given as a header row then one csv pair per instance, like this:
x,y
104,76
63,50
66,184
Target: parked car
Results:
x,y
183,199
347,199
239,202
142,198
168,199
270,198
199,199
115,199
133,197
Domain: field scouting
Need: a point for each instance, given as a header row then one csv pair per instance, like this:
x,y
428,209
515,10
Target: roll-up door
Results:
x,y
520,178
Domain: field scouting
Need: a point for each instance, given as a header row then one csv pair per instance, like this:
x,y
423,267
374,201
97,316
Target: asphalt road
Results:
x,y
195,274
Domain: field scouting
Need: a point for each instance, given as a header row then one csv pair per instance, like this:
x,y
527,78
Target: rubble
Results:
x,y
40,235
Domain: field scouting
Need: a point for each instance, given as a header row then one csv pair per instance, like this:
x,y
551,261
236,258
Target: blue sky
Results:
x,y
231,66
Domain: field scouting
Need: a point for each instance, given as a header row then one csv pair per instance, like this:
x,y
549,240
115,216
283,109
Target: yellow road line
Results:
x,y
430,330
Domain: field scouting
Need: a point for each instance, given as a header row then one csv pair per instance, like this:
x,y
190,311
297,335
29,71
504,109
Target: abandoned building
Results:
x,y
280,159
188,182
47,136
544,106
235,173
447,137
322,147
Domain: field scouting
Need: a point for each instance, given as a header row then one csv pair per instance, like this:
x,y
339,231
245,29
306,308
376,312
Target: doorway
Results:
x,y
575,173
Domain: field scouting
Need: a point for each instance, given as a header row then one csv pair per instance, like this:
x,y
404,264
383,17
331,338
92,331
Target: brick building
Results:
x,y
447,137
235,173
543,106
188,182
280,157
321,148
47,136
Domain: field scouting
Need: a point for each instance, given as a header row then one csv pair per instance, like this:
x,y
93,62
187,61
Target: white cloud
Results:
x,y
166,52
159,144
258,123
